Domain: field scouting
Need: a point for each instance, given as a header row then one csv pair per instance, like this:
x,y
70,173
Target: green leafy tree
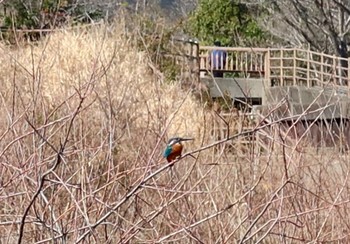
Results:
x,y
230,22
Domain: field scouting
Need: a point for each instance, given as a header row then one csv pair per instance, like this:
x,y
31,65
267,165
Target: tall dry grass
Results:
x,y
83,126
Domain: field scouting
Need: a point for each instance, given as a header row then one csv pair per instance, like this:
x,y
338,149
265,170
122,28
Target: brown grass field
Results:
x,y
84,122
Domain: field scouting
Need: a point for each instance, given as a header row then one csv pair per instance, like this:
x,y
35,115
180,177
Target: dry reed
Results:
x,y
83,125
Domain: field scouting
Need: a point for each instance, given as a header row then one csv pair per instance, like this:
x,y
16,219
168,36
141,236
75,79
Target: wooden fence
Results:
x,y
281,66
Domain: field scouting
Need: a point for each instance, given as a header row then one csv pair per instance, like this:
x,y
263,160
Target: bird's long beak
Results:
x,y
187,139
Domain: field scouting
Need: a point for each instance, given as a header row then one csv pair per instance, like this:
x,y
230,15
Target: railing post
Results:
x,y
294,66
308,69
281,68
322,70
347,71
196,60
335,69
267,68
203,61
246,62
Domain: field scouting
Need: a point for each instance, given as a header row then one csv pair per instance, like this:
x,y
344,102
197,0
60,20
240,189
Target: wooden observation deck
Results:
x,y
306,94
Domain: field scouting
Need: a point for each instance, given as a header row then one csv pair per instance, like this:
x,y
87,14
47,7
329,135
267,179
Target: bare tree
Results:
x,y
321,25
184,7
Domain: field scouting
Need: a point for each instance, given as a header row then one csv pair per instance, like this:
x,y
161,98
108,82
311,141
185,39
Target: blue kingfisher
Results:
x,y
174,148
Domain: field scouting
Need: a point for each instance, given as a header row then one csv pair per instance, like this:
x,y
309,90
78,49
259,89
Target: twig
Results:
x,y
59,156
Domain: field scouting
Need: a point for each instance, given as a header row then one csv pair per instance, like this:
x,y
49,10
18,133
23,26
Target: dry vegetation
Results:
x,y
83,126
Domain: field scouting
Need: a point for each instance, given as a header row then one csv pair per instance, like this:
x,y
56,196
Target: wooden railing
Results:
x,y
247,60
281,66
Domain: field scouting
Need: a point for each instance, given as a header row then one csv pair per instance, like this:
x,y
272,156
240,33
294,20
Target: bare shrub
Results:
x,y
83,126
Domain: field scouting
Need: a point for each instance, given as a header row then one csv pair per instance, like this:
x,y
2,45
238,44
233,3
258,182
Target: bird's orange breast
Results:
x,y
176,151
177,148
